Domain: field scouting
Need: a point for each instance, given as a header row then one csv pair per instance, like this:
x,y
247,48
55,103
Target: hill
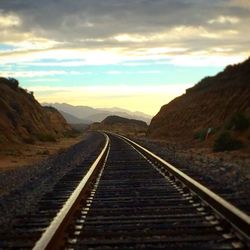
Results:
x,y
23,119
211,105
121,125
71,119
90,115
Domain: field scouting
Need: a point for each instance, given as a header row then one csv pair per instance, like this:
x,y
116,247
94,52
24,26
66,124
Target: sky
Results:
x,y
133,54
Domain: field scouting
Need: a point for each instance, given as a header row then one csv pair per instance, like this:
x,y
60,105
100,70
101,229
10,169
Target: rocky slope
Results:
x,y
23,119
57,121
121,125
209,104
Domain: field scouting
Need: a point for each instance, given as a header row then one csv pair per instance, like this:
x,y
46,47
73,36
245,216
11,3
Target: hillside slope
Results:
x,y
209,104
23,119
121,125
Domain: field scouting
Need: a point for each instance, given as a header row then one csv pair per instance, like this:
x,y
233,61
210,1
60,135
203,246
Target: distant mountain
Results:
x,y
71,119
80,112
121,125
98,117
91,115
23,119
209,104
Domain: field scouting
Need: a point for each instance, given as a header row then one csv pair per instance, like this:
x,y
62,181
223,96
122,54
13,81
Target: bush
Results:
x,y
29,140
62,150
238,122
72,133
225,142
2,138
46,138
13,83
202,134
14,105
43,152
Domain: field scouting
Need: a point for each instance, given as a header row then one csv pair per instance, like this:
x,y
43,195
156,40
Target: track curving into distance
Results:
x,y
131,199
138,201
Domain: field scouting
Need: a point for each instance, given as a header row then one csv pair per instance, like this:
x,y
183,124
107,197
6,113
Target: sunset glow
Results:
x,y
135,54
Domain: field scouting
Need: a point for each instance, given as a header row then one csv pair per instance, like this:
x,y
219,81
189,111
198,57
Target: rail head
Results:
x,y
49,233
237,218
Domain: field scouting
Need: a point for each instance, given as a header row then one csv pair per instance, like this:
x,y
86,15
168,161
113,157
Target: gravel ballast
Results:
x,y
22,188
230,179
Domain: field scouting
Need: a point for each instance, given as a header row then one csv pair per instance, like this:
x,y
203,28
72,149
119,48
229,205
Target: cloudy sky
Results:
x,y
135,54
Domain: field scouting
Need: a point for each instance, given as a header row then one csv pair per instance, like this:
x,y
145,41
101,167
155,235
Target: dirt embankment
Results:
x,y
24,120
208,107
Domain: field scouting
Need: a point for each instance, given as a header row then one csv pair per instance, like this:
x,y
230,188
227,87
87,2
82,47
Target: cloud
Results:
x,y
225,19
205,59
45,80
56,63
31,74
111,31
9,20
240,3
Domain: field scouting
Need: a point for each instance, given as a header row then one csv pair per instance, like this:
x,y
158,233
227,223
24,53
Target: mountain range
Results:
x,y
88,115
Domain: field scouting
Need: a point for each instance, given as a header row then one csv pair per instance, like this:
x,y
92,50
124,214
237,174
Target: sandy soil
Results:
x,y
13,156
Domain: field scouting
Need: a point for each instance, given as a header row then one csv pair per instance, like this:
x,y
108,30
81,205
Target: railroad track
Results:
x,y
131,199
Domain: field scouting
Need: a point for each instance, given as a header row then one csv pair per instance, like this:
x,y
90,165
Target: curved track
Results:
x,y
132,199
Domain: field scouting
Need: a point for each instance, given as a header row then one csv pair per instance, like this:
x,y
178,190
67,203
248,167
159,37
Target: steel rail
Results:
x,y
50,232
237,218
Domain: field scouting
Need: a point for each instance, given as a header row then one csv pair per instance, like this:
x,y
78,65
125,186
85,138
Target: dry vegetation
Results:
x,y
16,155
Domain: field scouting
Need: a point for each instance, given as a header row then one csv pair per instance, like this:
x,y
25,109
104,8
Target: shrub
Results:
x,y
14,105
29,140
225,142
62,150
2,138
43,152
71,133
46,138
13,83
238,122
201,135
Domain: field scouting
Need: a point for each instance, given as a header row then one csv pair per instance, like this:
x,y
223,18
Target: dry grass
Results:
x,y
13,156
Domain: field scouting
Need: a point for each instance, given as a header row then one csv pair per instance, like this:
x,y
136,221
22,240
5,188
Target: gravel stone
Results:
x,y
228,179
24,187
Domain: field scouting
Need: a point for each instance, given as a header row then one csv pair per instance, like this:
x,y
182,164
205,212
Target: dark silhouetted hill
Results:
x,y
23,119
212,103
121,125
